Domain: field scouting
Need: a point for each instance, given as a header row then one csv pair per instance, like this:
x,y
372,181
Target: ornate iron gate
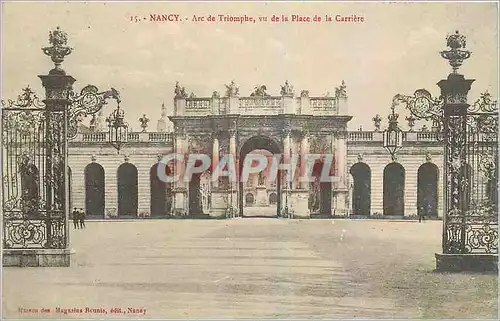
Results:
x,y
34,169
471,151
470,137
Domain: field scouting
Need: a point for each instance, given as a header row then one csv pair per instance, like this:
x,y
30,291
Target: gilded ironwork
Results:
x,y
88,102
33,184
470,137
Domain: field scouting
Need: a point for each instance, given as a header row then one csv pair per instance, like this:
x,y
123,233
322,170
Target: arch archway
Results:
x,y
127,190
273,198
249,199
320,193
259,142
160,192
94,189
361,191
394,189
195,197
427,189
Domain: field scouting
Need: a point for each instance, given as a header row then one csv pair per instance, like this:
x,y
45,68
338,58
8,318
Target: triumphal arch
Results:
x,y
287,124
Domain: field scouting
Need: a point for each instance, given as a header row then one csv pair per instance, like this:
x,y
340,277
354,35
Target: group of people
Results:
x,y
78,217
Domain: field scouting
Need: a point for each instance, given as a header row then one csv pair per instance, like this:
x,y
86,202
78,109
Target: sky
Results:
x,y
396,50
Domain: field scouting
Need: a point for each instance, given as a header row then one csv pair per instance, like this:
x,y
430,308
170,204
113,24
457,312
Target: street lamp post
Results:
x,y
393,136
118,128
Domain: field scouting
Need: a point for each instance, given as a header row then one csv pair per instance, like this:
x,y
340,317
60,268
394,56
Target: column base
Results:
x,y
180,207
298,204
37,258
221,204
339,203
467,262
261,196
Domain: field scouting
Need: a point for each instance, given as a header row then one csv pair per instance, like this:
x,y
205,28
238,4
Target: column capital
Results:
x,y
179,132
232,131
305,133
285,132
340,134
215,135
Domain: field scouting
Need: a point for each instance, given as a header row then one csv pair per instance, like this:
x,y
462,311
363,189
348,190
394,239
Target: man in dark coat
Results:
x,y
75,218
82,218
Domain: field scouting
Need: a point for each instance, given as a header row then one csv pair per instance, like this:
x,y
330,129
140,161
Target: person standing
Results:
x,y
82,218
75,218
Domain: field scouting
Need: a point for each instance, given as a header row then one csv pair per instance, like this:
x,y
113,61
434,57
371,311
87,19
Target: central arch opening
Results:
x,y
260,195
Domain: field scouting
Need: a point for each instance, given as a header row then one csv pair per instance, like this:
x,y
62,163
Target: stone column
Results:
x,y
340,198
180,190
215,159
298,198
341,158
233,196
304,151
285,195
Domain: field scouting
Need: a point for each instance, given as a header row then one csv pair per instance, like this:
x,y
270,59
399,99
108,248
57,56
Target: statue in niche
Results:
x,y
261,179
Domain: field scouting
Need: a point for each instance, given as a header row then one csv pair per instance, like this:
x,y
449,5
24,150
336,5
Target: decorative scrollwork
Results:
x,y
27,99
487,165
88,102
484,103
423,106
24,234
483,238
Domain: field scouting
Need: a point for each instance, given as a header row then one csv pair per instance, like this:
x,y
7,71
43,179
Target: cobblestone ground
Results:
x,y
255,268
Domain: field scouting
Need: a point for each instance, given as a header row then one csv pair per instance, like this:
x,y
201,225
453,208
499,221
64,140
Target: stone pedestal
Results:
x,y
298,203
180,206
218,203
221,202
339,203
261,196
467,262
37,258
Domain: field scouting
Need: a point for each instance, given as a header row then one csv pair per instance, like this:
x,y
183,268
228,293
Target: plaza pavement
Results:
x,y
252,268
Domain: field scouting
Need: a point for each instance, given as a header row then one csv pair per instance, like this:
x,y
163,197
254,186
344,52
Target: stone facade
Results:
x,y
285,124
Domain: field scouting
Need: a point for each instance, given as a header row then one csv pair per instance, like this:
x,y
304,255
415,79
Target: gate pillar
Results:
x,y
469,229
38,235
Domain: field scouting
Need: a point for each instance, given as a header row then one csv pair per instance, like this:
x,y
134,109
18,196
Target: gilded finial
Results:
x,y
457,53
58,49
